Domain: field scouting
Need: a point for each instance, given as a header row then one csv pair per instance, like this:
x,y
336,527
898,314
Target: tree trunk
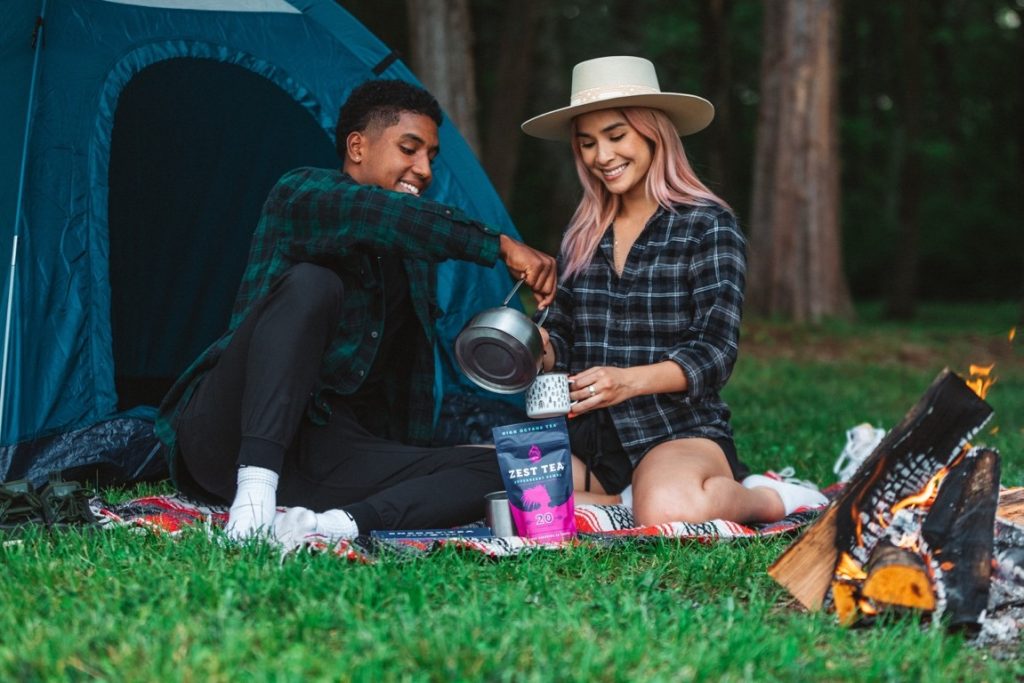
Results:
x,y
1020,166
441,40
901,300
502,138
796,253
714,22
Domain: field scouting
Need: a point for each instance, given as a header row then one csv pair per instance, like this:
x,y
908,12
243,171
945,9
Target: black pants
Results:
x,y
250,409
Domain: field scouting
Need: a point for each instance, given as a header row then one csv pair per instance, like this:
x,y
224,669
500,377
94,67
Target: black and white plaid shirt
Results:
x,y
679,298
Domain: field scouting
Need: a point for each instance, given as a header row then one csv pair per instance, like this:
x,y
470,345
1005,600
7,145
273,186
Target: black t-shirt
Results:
x,y
370,403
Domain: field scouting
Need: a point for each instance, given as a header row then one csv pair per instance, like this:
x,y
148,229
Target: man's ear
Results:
x,y
355,146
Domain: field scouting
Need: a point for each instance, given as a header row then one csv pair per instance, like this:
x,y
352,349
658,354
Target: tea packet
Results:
x,y
536,464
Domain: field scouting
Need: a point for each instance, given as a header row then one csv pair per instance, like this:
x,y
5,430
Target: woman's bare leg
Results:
x,y
689,480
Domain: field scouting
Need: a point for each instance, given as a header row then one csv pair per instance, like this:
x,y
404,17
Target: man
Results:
x,y
320,394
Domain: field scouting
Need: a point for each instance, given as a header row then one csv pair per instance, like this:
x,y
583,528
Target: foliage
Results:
x,y
970,138
120,606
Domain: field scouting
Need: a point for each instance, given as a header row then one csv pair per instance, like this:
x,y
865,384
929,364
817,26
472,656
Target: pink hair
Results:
x,y
670,180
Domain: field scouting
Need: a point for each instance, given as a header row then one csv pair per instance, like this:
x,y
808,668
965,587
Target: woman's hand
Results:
x,y
604,386
600,387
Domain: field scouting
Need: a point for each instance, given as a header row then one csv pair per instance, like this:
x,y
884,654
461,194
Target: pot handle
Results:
x,y
515,288
543,317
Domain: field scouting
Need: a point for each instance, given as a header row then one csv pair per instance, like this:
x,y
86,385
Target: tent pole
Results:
x,y
37,40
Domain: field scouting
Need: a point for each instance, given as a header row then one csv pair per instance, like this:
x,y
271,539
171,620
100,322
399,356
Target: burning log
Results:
x,y
847,601
1007,587
897,576
1011,505
959,532
906,461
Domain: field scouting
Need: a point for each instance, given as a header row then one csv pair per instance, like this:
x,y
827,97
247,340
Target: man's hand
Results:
x,y
536,268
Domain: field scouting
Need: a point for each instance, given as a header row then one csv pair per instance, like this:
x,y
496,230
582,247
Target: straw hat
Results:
x,y
612,82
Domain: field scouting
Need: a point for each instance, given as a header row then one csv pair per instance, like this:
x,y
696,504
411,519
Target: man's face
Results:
x,y
397,157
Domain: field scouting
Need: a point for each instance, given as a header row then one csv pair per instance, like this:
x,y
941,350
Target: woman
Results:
x,y
647,314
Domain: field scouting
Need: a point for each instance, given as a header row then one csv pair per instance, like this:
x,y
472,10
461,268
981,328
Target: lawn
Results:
x,y
126,607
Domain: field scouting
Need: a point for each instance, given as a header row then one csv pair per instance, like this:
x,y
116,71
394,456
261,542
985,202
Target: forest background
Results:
x,y
915,174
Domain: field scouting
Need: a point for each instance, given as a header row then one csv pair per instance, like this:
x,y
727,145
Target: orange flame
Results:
x,y
1013,333
848,568
980,380
924,497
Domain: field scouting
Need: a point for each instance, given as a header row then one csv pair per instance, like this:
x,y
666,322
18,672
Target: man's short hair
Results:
x,y
381,103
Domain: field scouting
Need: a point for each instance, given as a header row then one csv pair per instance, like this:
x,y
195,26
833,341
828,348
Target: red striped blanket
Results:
x,y
595,523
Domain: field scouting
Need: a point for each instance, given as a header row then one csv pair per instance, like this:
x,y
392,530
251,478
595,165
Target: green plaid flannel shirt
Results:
x,y
324,217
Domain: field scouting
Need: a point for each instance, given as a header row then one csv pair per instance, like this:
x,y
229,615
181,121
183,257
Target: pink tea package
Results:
x,y
536,464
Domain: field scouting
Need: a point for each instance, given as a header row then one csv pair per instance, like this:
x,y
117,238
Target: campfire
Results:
x,y
916,528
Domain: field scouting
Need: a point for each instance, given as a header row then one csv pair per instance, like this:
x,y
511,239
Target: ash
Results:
x,y
1000,632
904,530
1003,621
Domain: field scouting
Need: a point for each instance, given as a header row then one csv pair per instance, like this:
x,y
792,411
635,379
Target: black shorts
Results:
x,y
594,440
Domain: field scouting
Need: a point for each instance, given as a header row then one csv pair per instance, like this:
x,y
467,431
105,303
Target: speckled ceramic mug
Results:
x,y
548,396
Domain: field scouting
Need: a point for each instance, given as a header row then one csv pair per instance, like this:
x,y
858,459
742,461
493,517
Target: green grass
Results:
x,y
121,606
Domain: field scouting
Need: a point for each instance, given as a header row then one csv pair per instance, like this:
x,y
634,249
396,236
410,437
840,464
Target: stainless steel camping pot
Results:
x,y
501,349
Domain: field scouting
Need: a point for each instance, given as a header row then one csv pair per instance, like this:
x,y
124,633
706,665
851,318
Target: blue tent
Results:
x,y
140,138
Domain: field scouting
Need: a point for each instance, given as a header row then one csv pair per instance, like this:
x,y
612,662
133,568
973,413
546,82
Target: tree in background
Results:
x,y
441,39
960,123
715,38
957,127
512,75
795,253
901,295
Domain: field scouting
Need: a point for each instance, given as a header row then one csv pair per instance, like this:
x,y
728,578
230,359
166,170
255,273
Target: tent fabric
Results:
x,y
117,451
83,230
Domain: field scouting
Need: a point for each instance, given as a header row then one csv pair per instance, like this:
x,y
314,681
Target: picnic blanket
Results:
x,y
604,524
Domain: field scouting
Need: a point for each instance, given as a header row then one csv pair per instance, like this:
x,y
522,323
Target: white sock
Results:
x,y
336,525
627,496
255,504
293,525
793,496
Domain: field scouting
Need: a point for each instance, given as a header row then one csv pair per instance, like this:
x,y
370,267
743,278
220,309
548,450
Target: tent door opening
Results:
x,y
196,146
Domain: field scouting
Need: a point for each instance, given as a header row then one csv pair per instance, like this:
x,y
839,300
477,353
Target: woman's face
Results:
x,y
614,151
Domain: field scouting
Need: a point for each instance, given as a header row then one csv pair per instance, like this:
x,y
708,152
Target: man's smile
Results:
x,y
406,186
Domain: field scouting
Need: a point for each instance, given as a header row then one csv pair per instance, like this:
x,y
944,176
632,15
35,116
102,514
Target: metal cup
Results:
x,y
499,516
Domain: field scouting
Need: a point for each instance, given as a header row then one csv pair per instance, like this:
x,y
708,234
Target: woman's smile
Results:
x,y
614,172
